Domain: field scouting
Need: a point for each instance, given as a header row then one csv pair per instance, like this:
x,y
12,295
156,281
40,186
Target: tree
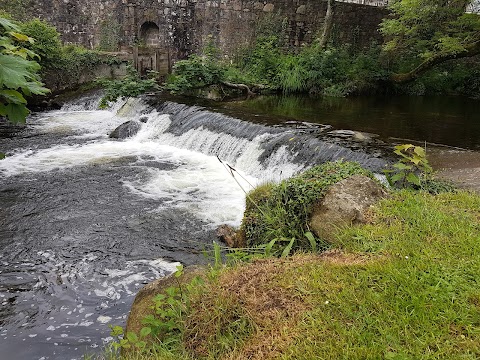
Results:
x,y
425,33
18,73
328,24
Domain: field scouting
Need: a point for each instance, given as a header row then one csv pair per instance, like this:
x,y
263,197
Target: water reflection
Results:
x,y
450,121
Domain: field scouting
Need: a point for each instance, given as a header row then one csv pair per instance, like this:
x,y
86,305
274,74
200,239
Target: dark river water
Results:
x,y
452,121
86,221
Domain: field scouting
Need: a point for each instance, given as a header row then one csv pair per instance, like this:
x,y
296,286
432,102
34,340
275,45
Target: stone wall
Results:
x,y
184,26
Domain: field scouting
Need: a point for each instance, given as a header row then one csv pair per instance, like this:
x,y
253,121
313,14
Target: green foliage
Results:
x,y
276,216
47,44
263,59
164,327
420,30
109,34
460,77
413,165
18,72
413,171
332,72
17,9
61,66
194,73
76,61
130,86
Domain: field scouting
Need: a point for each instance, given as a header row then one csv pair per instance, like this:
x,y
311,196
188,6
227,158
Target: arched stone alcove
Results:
x,y
150,34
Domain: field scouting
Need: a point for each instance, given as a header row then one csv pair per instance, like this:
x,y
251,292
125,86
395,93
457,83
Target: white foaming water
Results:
x,y
82,124
198,183
242,154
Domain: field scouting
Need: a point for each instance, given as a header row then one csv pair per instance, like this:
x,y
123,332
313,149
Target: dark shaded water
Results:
x,y
452,121
85,220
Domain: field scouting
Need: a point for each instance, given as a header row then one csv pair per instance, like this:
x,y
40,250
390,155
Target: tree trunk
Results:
x,y
470,50
328,24
239,87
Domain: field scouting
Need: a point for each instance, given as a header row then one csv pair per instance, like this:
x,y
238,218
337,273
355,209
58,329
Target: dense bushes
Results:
x,y
47,44
61,66
340,71
194,73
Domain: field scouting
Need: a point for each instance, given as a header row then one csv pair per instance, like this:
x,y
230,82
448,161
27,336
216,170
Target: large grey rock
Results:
x,y
345,203
126,130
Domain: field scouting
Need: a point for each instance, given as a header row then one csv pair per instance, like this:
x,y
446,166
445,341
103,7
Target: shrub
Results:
x,y
46,43
194,73
279,214
131,85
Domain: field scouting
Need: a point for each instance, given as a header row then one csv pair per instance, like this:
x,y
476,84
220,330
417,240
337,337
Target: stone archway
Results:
x,y
150,34
151,54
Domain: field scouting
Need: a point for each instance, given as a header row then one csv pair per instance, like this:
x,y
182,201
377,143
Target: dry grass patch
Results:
x,y
252,311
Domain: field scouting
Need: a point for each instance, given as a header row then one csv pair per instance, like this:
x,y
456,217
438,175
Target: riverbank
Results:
x,y
394,289
459,166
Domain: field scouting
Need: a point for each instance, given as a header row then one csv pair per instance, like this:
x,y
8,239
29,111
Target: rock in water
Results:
x,y
345,203
228,235
126,130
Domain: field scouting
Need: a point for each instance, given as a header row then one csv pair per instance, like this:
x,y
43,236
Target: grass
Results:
x,y
404,286
278,213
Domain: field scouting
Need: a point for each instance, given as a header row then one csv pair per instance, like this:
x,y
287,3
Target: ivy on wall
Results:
x,y
109,34
17,9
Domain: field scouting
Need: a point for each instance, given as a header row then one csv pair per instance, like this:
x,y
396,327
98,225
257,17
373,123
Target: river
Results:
x,y
86,221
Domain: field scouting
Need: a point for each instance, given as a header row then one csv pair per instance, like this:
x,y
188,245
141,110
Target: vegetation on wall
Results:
x,y
110,30
131,85
425,42
61,66
17,9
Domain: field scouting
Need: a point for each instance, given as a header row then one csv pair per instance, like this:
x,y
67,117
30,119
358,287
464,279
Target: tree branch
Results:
x,y
239,86
470,50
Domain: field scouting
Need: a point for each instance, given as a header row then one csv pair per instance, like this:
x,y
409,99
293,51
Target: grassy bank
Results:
x,y
404,286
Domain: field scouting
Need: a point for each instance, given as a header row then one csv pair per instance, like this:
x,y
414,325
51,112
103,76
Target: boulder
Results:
x,y
345,203
142,305
126,130
229,236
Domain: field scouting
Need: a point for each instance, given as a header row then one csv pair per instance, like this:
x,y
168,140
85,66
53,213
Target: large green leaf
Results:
x,y
15,71
34,87
16,113
8,25
20,37
13,96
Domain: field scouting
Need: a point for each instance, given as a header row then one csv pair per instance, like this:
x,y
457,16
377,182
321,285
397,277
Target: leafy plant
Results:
x,y
411,168
165,324
194,73
130,86
18,72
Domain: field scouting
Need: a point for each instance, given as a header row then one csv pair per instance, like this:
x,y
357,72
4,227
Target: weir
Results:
x,y
86,220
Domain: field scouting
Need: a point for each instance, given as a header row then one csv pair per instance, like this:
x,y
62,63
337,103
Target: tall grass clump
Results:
x,y
277,215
